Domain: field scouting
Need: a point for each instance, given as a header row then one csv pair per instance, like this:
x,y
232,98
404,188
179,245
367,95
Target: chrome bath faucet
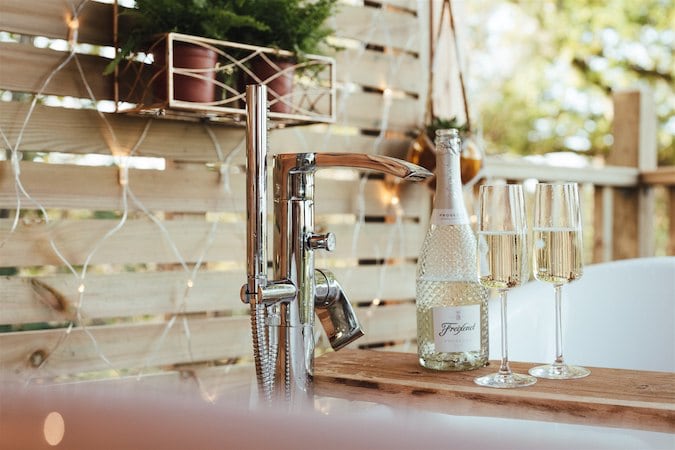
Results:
x,y
283,309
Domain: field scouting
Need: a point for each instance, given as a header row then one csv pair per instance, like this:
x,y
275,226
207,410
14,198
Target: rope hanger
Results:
x,y
429,112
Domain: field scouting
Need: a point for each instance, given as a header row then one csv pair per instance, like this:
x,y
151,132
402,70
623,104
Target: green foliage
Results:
x,y
439,123
296,25
207,18
214,19
573,55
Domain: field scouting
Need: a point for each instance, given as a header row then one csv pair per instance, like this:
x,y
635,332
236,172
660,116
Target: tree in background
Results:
x,y
542,71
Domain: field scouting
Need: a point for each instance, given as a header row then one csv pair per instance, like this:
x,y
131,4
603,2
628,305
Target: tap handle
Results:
x,y
317,241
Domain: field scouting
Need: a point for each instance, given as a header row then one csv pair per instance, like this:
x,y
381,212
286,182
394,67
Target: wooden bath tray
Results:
x,y
608,397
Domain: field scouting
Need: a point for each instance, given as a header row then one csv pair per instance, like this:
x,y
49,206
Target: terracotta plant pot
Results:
x,y
186,88
278,81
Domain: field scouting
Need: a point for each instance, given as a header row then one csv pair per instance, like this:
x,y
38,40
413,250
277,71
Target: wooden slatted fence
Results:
x,y
136,312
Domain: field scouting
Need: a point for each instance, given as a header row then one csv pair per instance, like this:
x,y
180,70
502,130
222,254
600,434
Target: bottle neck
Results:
x,y
449,206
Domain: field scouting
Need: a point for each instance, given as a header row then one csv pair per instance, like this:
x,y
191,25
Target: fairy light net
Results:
x,y
79,327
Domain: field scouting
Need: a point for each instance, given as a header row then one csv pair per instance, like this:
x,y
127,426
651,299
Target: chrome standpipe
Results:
x,y
258,292
283,310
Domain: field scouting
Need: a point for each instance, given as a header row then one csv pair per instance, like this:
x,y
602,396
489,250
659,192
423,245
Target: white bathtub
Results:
x,y
95,417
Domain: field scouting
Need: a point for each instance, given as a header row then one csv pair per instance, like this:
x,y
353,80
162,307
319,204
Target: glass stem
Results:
x,y
558,326
504,368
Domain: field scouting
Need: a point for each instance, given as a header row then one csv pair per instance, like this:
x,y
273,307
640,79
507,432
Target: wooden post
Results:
x,y
671,220
632,209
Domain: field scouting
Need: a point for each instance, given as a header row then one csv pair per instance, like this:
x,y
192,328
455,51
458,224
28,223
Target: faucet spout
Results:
x,y
335,311
390,166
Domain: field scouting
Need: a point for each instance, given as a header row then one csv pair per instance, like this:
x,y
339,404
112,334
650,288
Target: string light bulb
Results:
x,y
73,31
123,173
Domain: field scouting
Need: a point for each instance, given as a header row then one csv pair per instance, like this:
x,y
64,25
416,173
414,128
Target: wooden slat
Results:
x,y
386,323
25,69
62,186
49,18
410,5
318,138
662,175
377,26
497,167
133,346
52,129
142,241
374,112
365,283
380,70
602,224
125,346
54,298
609,397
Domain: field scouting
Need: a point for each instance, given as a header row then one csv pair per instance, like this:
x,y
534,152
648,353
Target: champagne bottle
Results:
x,y
452,311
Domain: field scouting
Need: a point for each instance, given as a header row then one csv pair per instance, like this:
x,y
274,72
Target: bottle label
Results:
x,y
457,328
454,216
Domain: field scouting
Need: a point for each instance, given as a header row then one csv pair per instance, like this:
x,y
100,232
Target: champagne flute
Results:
x,y
502,232
557,259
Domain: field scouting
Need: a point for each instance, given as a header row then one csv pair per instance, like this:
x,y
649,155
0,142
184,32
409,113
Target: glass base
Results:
x,y
505,380
559,372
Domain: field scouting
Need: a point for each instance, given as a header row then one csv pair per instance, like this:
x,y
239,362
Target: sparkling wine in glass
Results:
x,y
557,259
502,232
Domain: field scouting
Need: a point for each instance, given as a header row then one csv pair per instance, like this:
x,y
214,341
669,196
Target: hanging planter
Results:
x,y
422,150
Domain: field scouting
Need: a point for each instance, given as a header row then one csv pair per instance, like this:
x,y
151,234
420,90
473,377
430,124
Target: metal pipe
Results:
x,y
256,192
256,229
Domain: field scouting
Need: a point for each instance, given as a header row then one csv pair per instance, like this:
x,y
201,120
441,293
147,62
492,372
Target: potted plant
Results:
x,y
298,26
151,19
422,150
294,25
